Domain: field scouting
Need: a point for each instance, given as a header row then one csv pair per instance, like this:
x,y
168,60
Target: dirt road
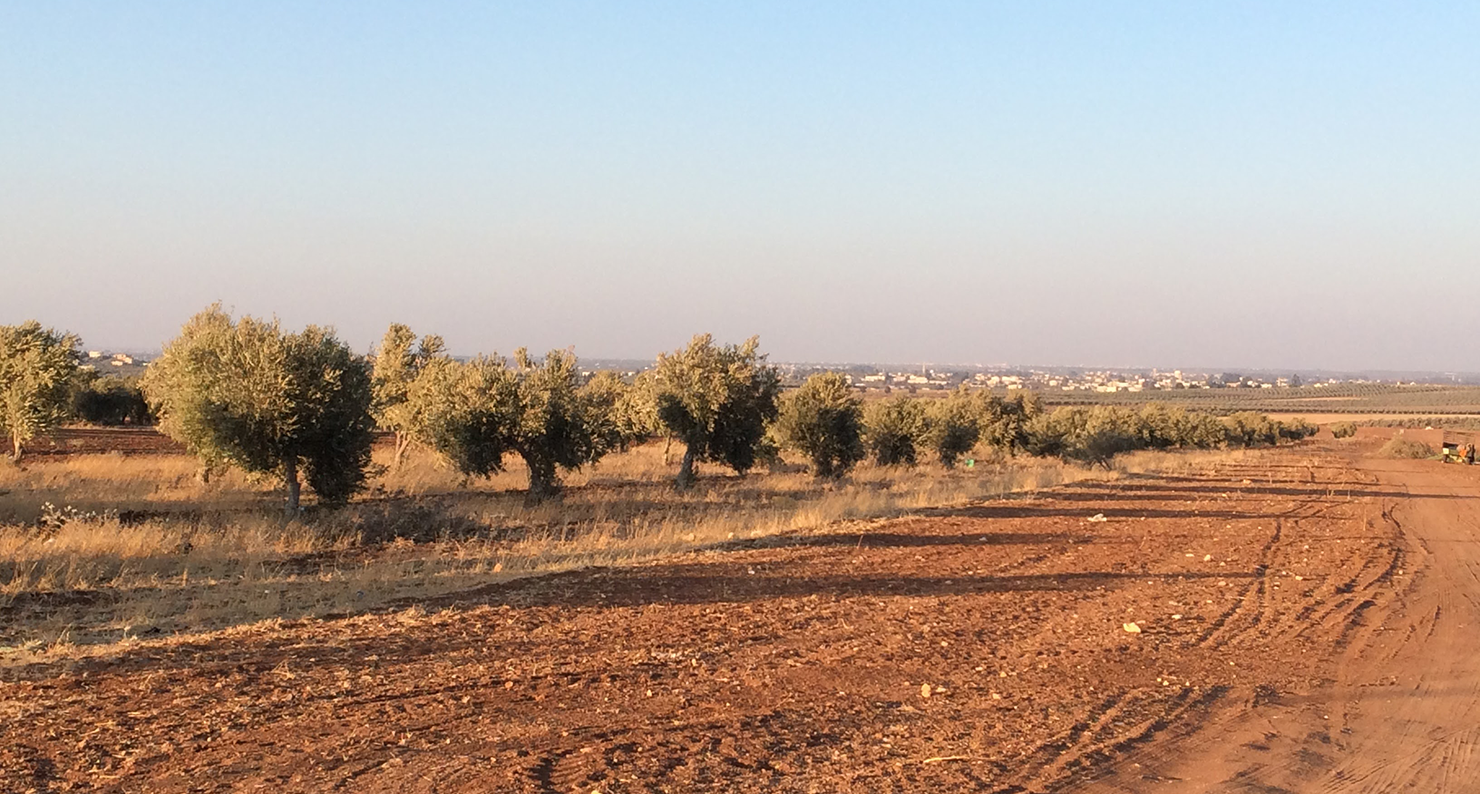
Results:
x,y
1403,710
1257,625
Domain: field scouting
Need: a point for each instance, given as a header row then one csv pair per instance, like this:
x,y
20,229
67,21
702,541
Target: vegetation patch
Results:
x,y
1406,448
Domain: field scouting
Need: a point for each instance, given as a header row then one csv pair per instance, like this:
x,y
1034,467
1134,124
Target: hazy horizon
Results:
x,y
1286,187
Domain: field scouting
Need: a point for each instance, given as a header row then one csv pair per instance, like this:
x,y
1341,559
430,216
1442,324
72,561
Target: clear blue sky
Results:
x,y
1161,184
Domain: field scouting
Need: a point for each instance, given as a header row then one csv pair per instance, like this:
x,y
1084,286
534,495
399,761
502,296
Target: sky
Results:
x,y
1271,185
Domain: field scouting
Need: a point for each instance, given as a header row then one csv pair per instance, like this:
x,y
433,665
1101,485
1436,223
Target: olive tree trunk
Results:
x,y
290,479
686,469
543,481
403,440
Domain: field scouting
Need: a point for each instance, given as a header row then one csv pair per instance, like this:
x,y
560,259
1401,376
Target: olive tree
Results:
x,y
717,401
465,411
894,429
619,413
1250,429
476,412
109,400
556,422
245,393
37,369
955,425
1092,436
1166,427
823,420
397,361
1004,420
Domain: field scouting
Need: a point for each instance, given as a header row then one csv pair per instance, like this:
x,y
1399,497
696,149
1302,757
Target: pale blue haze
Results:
x,y
1172,184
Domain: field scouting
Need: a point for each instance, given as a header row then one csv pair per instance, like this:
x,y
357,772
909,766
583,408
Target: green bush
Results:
x,y
954,425
822,420
894,429
1297,429
1343,429
110,400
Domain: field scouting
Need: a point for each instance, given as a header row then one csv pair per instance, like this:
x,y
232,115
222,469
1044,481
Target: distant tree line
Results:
x,y
303,407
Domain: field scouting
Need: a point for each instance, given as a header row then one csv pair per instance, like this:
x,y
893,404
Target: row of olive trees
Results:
x,y
303,407
826,421
716,400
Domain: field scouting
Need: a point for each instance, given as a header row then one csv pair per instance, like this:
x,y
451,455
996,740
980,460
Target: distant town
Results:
x,y
1075,380
1003,377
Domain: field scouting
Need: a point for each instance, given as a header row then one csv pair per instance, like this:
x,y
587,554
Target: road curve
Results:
x,y
1403,713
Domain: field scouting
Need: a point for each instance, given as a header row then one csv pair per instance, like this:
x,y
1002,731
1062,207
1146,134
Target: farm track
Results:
x,y
803,663
1400,710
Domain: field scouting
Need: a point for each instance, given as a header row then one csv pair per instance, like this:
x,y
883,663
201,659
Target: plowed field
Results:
x,y
100,440
1082,637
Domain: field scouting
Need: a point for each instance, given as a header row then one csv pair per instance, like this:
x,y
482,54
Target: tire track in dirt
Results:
x,y
1401,709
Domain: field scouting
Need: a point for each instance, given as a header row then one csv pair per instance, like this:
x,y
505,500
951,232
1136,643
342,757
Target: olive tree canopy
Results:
x,y
557,422
955,424
822,420
894,430
717,401
465,411
475,413
398,360
245,393
37,368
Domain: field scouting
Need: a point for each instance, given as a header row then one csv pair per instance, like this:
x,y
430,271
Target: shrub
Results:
x,y
954,425
1405,448
110,401
894,429
822,420
1344,429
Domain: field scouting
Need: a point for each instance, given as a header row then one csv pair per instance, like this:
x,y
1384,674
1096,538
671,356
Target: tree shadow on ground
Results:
x,y
1083,491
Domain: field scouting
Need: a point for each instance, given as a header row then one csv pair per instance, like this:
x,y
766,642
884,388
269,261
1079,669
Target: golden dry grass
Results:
x,y
188,557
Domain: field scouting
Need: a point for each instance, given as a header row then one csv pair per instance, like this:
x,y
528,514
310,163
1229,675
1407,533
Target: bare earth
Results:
x,y
1306,624
1402,709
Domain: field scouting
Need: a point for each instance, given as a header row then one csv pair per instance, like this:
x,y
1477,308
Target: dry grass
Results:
x,y
1183,462
187,557
1406,448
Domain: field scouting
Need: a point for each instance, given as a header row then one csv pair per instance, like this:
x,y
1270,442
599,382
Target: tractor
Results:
x,y
1456,452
